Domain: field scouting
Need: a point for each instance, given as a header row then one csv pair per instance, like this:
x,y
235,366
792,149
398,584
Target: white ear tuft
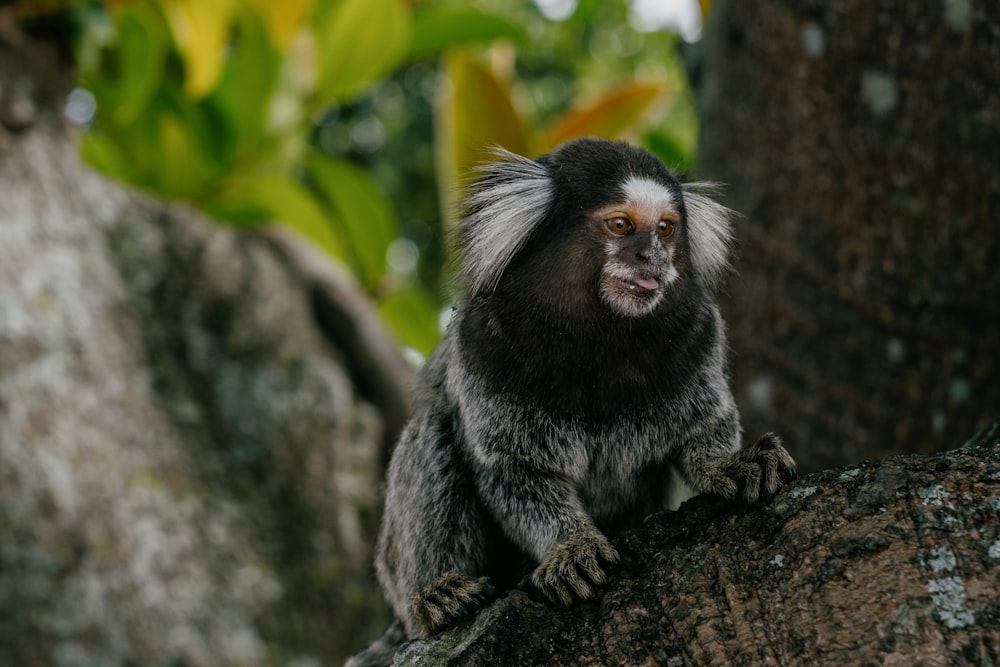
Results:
x,y
504,205
710,234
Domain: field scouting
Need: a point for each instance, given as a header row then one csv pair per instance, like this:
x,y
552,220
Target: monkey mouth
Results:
x,y
645,283
631,294
639,285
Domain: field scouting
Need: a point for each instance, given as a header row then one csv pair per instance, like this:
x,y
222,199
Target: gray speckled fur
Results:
x,y
482,464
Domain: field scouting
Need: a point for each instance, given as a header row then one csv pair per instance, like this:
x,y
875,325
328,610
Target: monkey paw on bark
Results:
x,y
754,473
451,597
573,570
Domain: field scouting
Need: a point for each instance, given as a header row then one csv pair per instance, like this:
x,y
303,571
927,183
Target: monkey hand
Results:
x,y
754,473
451,597
572,569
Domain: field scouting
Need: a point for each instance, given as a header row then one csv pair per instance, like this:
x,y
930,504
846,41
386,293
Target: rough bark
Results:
x,y
892,563
860,141
192,420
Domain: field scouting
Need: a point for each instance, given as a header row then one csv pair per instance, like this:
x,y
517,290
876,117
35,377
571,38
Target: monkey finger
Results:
x,y
604,551
547,579
751,475
789,470
554,588
582,590
785,462
595,579
608,553
771,480
450,597
769,441
564,582
723,485
589,567
779,470
563,592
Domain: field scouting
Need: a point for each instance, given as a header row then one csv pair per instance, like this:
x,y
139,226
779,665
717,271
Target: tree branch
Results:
x,y
894,562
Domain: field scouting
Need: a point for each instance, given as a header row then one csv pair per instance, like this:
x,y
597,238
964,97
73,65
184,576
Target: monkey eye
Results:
x,y
619,226
665,228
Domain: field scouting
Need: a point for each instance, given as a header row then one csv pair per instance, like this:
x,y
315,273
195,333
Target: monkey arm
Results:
x,y
535,508
540,511
526,468
527,472
432,548
708,449
711,460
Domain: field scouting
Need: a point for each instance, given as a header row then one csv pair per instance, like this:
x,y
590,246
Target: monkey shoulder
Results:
x,y
429,437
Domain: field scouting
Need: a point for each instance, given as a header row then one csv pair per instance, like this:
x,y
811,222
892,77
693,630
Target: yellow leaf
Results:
x,y
706,6
474,113
283,19
610,116
201,30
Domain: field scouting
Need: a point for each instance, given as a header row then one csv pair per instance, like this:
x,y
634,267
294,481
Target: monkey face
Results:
x,y
646,234
639,246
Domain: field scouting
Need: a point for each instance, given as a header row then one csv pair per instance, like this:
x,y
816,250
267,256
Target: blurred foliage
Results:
x,y
354,122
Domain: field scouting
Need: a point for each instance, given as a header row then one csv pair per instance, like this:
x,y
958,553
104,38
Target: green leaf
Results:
x,y
183,169
412,315
669,150
272,197
359,42
130,152
141,57
364,212
188,140
439,29
248,80
101,153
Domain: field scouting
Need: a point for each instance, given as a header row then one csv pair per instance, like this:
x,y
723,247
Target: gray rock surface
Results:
x,y
189,458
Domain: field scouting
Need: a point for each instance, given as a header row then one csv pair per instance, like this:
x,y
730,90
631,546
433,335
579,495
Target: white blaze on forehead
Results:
x,y
651,197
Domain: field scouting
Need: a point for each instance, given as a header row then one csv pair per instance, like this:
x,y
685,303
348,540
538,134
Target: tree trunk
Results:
x,y
860,141
893,563
192,420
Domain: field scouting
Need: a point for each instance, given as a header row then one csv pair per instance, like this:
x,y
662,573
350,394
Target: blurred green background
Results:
x,y
300,113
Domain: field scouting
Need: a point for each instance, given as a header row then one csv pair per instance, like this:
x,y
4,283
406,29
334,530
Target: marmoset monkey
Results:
x,y
585,363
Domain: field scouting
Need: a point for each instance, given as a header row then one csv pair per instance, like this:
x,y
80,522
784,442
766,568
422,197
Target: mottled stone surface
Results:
x,y
189,461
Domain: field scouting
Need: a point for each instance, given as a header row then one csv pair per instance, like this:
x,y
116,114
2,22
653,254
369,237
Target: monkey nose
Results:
x,y
646,253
